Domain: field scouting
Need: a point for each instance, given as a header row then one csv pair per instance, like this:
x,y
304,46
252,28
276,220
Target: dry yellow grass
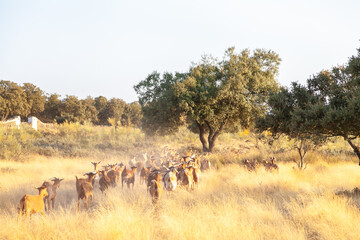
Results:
x,y
231,203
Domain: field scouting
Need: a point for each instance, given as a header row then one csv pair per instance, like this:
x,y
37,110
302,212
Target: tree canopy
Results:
x,y
213,96
327,106
28,99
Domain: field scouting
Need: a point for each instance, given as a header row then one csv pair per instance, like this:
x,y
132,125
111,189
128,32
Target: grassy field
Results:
x,y
230,203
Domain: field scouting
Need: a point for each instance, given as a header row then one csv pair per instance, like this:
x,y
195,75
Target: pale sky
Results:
x,y
103,48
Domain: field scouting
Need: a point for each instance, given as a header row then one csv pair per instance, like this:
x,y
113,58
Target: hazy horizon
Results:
x,y
90,48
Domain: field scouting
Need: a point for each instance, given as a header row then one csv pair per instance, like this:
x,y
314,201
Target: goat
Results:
x,y
186,178
79,181
84,188
155,191
180,171
30,204
106,167
144,173
132,162
196,160
95,165
251,166
196,176
170,179
115,173
104,181
128,176
51,189
270,166
97,177
153,175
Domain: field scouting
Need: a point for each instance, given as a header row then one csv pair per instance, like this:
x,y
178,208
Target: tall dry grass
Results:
x,y
230,203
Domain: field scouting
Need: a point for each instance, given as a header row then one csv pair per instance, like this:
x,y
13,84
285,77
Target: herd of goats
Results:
x,y
183,171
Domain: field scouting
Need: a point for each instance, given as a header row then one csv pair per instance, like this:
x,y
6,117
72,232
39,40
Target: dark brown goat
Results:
x,y
104,181
144,173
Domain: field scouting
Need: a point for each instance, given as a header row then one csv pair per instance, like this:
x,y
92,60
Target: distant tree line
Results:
x,y
29,100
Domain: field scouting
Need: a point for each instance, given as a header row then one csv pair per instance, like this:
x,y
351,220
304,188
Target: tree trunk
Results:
x,y
214,134
203,141
202,137
302,150
212,143
355,148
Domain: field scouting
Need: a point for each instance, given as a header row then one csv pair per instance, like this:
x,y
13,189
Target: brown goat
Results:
x,y
79,181
51,189
196,176
128,176
104,181
251,166
186,178
84,188
153,175
271,166
30,204
114,174
155,191
95,165
144,173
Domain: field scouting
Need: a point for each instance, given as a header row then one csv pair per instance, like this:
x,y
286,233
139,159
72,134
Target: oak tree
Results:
x,y
214,95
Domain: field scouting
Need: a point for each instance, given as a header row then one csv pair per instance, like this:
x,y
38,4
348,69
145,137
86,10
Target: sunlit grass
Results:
x,y
230,203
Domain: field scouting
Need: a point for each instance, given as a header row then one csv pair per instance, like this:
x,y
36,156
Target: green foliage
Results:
x,y
160,106
89,111
328,106
288,115
52,108
29,100
16,143
12,100
115,109
100,105
35,98
70,109
214,96
135,114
